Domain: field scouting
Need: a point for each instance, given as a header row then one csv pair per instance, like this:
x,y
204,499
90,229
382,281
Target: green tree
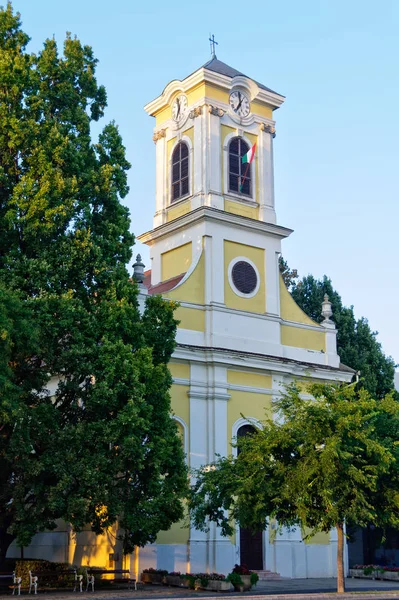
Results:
x,y
319,464
289,276
357,344
101,445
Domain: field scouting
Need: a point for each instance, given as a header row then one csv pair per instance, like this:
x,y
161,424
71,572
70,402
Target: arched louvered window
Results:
x,y
240,175
180,178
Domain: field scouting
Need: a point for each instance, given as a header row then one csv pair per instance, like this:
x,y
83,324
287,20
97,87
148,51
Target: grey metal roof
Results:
x,y
217,66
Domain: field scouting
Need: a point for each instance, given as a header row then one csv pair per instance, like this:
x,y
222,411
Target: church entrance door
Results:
x,y
251,549
251,544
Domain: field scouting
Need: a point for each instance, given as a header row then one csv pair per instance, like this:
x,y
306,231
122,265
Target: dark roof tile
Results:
x,y
217,66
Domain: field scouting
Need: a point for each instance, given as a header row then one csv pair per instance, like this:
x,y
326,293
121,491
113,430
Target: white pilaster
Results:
x,y
272,281
214,163
199,159
266,175
161,187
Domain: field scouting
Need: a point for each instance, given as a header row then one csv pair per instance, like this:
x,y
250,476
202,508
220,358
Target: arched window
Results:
x,y
244,431
180,171
240,180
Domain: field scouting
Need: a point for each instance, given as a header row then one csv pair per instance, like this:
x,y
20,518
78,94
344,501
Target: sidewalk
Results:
x,y
283,589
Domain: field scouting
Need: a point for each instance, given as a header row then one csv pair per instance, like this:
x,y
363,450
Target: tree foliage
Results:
x,y
85,431
290,276
319,463
357,345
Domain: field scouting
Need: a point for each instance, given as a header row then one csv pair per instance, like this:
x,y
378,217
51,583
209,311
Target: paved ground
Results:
x,y
298,589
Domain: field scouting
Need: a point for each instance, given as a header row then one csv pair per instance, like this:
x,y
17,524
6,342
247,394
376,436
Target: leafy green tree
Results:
x,y
319,464
102,445
289,276
357,344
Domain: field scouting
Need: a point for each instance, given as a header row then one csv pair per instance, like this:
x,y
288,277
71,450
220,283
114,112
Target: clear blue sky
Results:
x,y
336,150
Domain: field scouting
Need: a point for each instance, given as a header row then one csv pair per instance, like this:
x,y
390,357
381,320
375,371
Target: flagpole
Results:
x,y
245,176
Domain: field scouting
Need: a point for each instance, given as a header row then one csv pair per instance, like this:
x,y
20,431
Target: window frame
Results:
x,y
241,171
230,277
178,144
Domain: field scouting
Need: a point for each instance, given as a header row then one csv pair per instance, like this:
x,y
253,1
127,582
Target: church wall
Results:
x,y
177,261
179,370
180,402
250,404
262,110
191,288
257,255
248,379
289,309
177,534
191,318
63,545
240,208
199,91
182,208
288,554
303,338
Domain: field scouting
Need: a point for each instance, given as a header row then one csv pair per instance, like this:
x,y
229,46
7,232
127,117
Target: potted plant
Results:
x,y
174,578
188,580
154,576
245,580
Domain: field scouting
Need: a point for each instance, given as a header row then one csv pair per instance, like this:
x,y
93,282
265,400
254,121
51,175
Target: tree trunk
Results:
x,y
5,542
340,559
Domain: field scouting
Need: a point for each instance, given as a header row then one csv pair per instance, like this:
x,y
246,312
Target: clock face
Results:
x,y
179,108
239,104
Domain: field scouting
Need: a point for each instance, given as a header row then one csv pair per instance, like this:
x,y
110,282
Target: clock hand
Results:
x,y
178,106
240,102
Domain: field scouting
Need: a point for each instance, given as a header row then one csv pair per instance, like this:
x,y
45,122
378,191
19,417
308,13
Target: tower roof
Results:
x,y
217,73
217,66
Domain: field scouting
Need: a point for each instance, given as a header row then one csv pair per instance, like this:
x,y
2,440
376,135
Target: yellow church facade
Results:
x,y
215,246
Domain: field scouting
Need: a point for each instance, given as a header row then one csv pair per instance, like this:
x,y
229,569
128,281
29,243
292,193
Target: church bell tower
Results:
x,y
204,126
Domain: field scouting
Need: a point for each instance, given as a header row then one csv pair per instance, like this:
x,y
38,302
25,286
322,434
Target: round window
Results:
x,y
244,277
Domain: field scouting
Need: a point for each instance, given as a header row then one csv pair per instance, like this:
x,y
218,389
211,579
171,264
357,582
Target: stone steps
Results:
x,y
267,575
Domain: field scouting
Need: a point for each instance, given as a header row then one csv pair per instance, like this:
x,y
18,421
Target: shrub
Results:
x,y
235,578
153,571
254,578
22,568
241,570
191,580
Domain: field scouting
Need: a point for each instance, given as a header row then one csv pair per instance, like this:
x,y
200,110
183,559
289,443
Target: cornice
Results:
x,y
274,364
211,77
206,213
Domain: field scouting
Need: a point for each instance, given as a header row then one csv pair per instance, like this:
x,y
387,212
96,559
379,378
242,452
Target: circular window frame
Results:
x,y
230,277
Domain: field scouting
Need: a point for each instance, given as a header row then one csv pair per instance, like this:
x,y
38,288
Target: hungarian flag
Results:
x,y
249,156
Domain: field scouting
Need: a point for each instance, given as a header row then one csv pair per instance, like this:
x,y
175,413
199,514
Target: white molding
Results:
x,y
209,393
239,423
253,121
271,98
251,390
185,433
212,214
180,381
230,278
262,316
193,265
186,139
314,327
231,197
270,364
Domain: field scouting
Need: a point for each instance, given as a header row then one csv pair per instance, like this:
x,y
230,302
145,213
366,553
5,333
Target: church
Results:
x,y
215,245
